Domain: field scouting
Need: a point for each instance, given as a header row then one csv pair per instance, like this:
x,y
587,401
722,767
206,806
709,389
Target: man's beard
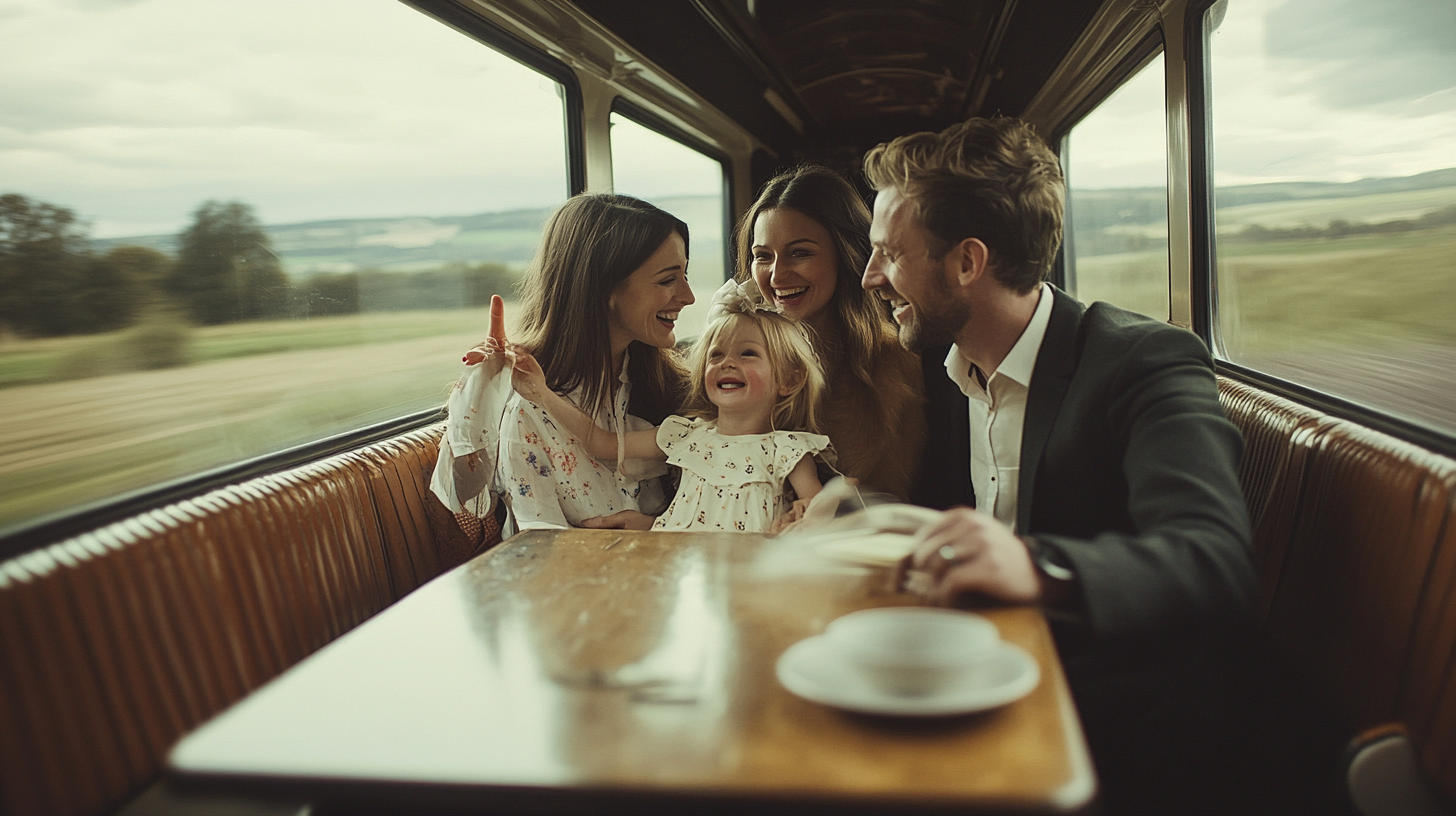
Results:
x,y
928,329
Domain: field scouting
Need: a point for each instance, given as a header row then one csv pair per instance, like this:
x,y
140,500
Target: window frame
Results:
x,y
641,116
1203,236
51,528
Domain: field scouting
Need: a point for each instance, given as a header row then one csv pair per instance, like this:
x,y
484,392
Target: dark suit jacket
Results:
x,y
1129,470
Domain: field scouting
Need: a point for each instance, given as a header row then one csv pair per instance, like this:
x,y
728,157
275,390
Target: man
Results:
x,y
1089,439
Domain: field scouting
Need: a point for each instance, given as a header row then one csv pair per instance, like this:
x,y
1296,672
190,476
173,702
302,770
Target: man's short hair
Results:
x,y
992,179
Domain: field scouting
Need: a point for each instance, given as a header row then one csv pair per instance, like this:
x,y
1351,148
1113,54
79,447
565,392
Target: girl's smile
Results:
x,y
740,379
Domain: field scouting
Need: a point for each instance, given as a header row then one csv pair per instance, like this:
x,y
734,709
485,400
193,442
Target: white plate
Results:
x,y
814,670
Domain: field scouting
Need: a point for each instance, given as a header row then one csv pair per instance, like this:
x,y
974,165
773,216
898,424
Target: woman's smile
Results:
x,y
645,306
794,262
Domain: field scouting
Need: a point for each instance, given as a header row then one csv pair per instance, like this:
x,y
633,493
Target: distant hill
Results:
x,y
1289,191
1106,221
412,243
346,245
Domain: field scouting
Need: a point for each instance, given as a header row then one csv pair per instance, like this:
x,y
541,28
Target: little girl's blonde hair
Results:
x,y
791,356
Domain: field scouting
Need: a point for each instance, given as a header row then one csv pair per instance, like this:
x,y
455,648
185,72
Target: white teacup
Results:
x,y
913,651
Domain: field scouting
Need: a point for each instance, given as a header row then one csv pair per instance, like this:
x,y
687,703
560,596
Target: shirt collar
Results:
x,y
1020,362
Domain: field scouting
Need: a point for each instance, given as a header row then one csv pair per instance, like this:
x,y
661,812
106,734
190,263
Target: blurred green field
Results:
x,y
1366,317
24,362
1137,281
254,389
1328,293
1333,293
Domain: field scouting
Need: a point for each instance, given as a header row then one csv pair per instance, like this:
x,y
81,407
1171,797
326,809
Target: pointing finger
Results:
x,y
497,319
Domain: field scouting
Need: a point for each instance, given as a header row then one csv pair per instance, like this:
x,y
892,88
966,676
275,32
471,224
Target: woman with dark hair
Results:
x,y
805,241
599,306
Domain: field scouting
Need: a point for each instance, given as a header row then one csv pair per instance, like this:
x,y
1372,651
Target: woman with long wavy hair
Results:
x,y
805,241
599,304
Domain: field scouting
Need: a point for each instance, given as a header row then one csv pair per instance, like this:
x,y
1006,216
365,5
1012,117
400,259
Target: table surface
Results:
x,y
607,669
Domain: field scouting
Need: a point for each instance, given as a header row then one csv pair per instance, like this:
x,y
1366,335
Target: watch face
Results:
x,y
1055,571
1051,562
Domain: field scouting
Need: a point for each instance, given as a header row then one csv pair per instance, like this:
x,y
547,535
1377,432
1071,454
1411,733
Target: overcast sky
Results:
x,y
134,112
1303,90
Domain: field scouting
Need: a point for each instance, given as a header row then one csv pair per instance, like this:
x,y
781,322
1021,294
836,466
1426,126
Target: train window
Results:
x,y
686,183
1116,162
230,230
1334,138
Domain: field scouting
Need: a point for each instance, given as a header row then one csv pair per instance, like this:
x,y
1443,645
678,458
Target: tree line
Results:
x,y
1343,228
225,271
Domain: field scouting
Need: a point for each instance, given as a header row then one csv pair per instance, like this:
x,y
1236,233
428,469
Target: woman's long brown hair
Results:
x,y
591,244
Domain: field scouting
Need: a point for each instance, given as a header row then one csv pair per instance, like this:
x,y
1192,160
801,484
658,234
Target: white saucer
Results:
x,y
814,670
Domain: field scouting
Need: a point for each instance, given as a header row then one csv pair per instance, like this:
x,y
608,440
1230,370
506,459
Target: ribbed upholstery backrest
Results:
x,y
1268,424
1278,434
1355,542
1429,707
116,643
1364,540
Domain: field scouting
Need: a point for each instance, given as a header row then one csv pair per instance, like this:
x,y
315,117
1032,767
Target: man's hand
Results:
x,y
623,520
969,551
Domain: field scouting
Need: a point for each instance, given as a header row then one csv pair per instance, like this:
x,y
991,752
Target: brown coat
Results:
x,y
879,432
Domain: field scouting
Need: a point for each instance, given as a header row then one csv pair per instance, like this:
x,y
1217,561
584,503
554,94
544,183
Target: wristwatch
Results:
x,y
1058,579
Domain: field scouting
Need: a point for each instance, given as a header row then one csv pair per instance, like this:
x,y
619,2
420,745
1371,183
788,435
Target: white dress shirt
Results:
x,y
998,412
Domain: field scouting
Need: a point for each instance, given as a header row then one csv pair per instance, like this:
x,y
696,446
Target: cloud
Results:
x,y
132,113
1123,142
649,165
1395,55
1289,105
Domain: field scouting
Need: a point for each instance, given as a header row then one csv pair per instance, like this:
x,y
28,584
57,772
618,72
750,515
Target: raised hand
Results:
x,y
495,340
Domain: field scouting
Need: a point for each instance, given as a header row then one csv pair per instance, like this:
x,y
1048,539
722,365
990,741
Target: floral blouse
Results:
x,y
551,481
734,483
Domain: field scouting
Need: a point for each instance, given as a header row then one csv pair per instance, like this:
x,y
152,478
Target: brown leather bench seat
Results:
x,y
119,641
1353,538
116,643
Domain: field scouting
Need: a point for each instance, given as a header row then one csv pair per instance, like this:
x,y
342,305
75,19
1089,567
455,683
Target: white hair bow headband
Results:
x,y
736,298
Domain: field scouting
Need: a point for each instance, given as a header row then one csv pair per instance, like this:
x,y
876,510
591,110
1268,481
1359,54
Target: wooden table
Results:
x,y
620,672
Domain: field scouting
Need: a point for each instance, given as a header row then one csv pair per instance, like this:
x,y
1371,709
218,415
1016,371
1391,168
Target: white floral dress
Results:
x,y
552,482
734,483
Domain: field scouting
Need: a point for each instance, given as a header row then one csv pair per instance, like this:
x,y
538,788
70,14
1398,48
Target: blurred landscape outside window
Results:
x,y
1334,166
228,230
686,183
1116,163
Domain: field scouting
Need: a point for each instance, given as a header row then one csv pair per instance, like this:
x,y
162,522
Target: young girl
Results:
x,y
750,423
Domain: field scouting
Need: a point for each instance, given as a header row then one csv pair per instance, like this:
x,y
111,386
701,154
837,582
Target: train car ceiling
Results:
x,y
824,80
